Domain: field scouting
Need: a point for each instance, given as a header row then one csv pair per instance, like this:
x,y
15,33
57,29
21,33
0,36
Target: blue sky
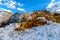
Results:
x,y
35,4
23,5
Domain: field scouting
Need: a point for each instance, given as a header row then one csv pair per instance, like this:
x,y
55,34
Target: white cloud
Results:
x,y
21,9
20,4
52,0
50,5
2,9
12,4
54,5
0,1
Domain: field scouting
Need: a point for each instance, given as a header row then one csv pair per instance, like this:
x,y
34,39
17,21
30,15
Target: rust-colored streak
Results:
x,y
30,23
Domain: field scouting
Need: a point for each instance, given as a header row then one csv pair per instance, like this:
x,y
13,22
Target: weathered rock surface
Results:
x,y
30,24
4,17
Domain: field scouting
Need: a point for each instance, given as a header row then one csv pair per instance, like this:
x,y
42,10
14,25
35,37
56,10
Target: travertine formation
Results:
x,y
28,20
55,17
30,23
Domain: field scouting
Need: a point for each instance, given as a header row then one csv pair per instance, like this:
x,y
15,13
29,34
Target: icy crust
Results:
x,y
45,32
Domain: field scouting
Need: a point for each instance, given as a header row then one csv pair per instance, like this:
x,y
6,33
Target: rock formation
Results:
x,y
4,17
28,20
29,24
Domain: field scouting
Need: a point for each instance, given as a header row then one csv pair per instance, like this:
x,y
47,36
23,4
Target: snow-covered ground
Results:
x,y
45,32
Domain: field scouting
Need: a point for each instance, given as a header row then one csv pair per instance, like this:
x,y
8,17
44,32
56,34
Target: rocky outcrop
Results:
x,y
29,24
47,15
28,18
4,17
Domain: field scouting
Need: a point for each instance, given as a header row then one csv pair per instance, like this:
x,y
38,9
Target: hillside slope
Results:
x,y
48,31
